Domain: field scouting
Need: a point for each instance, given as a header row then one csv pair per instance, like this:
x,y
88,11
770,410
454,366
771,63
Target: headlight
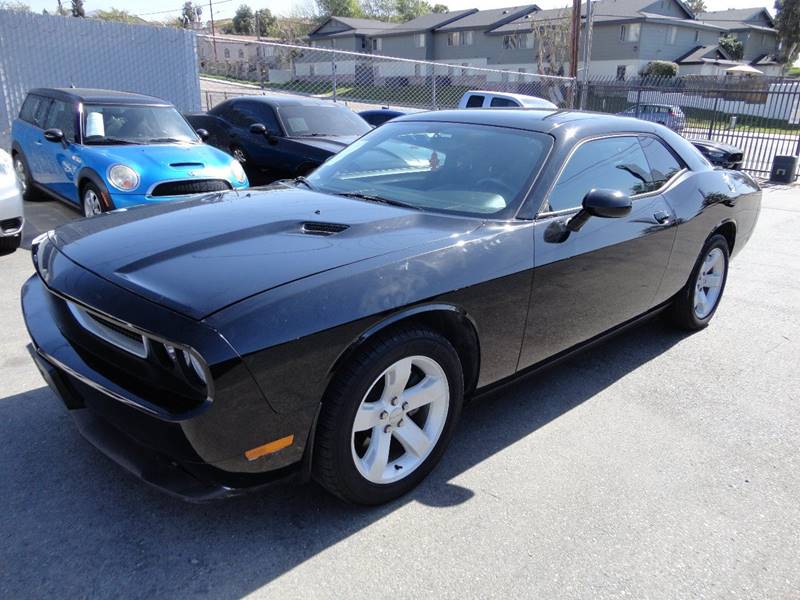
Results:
x,y
5,164
123,178
238,171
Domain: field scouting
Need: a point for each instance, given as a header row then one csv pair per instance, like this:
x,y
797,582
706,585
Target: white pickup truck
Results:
x,y
486,99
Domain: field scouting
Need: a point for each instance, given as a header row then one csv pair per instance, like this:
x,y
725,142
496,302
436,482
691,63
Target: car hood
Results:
x,y
711,145
201,255
331,144
164,158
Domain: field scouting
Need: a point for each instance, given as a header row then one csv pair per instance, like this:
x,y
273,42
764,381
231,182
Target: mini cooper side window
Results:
x,y
615,163
29,108
61,117
663,164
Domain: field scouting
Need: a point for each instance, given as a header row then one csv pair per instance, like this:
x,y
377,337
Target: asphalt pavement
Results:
x,y
657,465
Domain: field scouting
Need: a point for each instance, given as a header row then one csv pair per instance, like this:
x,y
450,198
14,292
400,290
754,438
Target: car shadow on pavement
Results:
x,y
76,525
43,214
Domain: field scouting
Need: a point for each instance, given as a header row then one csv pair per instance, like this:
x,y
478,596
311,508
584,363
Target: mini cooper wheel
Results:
x,y
239,155
93,202
23,177
696,304
388,417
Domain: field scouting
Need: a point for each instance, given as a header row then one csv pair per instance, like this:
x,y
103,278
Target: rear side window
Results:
x,y
663,164
34,110
259,112
475,101
615,163
503,103
61,116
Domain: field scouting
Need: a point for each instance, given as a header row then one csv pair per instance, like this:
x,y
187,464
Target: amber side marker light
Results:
x,y
270,448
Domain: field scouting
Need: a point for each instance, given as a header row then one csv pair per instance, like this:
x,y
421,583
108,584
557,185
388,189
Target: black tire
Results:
x,y
106,203
10,243
333,464
28,191
682,312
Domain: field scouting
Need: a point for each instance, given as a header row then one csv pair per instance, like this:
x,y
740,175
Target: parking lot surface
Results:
x,y
656,465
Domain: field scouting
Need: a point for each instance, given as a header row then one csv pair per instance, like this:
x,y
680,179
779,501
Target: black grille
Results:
x,y
316,228
195,186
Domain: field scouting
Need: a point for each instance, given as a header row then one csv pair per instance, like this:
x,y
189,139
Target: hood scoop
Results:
x,y
186,164
317,228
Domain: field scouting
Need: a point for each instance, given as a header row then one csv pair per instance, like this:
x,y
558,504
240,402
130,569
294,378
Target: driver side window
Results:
x,y
615,163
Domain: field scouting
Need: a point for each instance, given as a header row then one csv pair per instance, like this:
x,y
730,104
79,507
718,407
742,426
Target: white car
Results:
x,y
11,219
485,99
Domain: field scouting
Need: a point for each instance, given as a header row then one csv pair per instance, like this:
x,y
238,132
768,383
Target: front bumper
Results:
x,y
197,456
11,213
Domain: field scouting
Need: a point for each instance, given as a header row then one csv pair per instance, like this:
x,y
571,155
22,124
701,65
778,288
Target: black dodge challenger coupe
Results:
x,y
333,327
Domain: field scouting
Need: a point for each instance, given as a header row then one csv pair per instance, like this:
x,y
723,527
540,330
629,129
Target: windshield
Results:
x,y
120,124
449,167
313,121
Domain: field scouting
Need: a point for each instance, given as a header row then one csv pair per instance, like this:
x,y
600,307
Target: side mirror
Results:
x,y
203,133
54,135
608,204
258,129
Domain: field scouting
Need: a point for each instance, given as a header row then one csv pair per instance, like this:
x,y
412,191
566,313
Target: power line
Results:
x,y
162,12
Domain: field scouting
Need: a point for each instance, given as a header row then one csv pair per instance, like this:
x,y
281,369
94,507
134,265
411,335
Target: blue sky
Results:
x,y
227,8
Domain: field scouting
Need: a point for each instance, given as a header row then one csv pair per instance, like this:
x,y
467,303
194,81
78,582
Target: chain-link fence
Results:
x,y
758,115
368,78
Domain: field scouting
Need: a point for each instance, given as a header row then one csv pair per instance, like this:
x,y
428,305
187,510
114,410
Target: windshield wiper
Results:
x,y
305,182
108,140
380,199
164,140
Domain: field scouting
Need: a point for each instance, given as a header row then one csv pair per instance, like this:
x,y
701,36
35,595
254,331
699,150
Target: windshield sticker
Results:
x,y
298,124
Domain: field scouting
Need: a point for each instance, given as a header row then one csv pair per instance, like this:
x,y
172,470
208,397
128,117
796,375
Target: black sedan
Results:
x,y
719,154
333,327
279,136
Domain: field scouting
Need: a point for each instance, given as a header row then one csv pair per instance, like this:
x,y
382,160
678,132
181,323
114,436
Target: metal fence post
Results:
x,y
333,72
713,118
638,100
433,87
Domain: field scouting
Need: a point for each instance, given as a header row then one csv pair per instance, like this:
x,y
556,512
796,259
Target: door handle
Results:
x,y
661,217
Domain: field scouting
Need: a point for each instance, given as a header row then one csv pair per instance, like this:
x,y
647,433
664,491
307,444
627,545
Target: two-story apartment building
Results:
x,y
626,36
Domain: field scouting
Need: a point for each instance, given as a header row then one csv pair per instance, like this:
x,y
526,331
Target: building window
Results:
x,y
377,44
621,72
241,53
696,36
227,53
630,32
464,68
522,70
672,34
419,40
459,38
312,70
417,70
518,40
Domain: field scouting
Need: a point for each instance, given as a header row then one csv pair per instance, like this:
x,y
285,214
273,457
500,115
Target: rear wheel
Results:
x,y
388,417
23,177
93,201
696,303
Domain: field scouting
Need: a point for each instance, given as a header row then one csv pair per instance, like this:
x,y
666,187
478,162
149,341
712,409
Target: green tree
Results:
x,y
244,20
190,14
115,14
339,8
660,68
411,9
696,6
77,9
266,23
787,22
732,46
440,8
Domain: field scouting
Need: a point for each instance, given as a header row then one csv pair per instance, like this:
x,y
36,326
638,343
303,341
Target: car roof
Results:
x,y
522,98
543,120
286,100
98,96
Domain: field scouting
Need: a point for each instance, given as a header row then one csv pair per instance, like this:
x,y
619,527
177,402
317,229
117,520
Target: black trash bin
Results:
x,y
784,169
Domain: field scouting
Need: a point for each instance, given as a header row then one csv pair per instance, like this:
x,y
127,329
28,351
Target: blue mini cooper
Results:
x,y
102,150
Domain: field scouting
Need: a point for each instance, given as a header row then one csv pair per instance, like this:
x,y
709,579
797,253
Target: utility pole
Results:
x,y
213,31
576,32
587,51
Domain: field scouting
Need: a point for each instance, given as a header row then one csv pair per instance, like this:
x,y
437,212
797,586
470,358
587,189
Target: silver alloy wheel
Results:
x,y
22,178
708,286
413,416
91,203
238,154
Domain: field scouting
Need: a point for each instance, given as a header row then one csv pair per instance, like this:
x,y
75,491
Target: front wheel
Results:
x,y
93,201
23,177
388,417
696,303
